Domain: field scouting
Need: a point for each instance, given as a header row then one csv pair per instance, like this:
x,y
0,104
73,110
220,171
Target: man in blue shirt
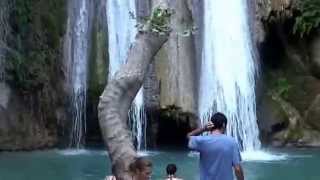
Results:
x,y
219,153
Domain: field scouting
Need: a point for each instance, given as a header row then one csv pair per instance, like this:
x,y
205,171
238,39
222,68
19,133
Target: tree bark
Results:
x,y
117,98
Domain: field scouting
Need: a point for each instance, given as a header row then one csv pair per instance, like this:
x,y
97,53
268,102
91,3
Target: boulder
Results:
x,y
22,127
313,114
303,91
315,55
271,117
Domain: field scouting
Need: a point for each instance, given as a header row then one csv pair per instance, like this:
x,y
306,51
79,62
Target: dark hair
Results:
x,y
171,169
140,164
219,120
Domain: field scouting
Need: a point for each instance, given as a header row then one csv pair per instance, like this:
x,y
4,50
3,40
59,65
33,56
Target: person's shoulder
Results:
x,y
230,139
199,138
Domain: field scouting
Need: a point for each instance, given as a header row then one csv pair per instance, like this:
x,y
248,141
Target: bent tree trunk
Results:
x,y
117,97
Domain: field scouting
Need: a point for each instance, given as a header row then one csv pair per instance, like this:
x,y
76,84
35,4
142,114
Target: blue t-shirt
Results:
x,y
218,154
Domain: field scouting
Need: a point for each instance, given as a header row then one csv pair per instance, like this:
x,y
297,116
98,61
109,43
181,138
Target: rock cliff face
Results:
x,y
171,94
32,108
24,125
288,108
176,62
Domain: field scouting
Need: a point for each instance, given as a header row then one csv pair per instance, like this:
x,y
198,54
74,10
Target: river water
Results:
x,y
288,164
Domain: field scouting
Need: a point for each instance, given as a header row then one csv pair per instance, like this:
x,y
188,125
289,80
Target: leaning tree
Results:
x,y
119,93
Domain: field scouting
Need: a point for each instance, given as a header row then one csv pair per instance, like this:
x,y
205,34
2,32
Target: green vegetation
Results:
x,y
294,135
158,22
309,18
281,88
37,28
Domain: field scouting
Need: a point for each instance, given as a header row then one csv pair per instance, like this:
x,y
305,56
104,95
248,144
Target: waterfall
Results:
x,y
122,31
79,67
228,70
4,31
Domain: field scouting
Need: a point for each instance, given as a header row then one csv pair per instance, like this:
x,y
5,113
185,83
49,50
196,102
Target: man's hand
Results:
x,y
209,126
198,131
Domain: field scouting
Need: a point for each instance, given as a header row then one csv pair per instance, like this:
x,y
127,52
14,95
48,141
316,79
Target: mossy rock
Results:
x,y
37,29
270,115
303,92
313,114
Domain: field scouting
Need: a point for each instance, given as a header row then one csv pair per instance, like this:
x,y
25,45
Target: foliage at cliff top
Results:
x,y
309,18
37,27
158,22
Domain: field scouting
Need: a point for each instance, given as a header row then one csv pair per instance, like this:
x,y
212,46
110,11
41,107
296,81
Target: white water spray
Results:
x,y
228,70
122,31
79,65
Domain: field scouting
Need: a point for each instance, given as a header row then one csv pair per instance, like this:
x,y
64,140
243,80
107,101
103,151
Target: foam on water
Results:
x,y
254,156
148,153
262,156
73,152
78,152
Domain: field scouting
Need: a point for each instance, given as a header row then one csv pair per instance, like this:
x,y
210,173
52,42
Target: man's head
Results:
x,y
142,168
171,169
219,121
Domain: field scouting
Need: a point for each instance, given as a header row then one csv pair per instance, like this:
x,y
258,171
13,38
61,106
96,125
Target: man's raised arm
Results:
x,y
238,171
199,131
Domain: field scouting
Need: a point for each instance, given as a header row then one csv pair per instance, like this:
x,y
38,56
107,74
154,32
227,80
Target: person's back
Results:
x,y
218,153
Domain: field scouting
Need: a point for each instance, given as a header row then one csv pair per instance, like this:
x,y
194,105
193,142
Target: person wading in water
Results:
x,y
171,172
219,153
140,169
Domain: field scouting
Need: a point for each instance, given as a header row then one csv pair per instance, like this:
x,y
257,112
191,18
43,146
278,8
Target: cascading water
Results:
x,y
228,70
122,31
4,31
80,38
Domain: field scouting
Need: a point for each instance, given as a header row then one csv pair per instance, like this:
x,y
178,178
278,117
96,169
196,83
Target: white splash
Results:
x,y
73,152
263,156
81,152
122,31
228,70
148,153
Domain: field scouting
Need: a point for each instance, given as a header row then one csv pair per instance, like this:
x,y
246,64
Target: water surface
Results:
x,y
293,164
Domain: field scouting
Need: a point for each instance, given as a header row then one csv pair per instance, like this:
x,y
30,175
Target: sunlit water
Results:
x,y
94,165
